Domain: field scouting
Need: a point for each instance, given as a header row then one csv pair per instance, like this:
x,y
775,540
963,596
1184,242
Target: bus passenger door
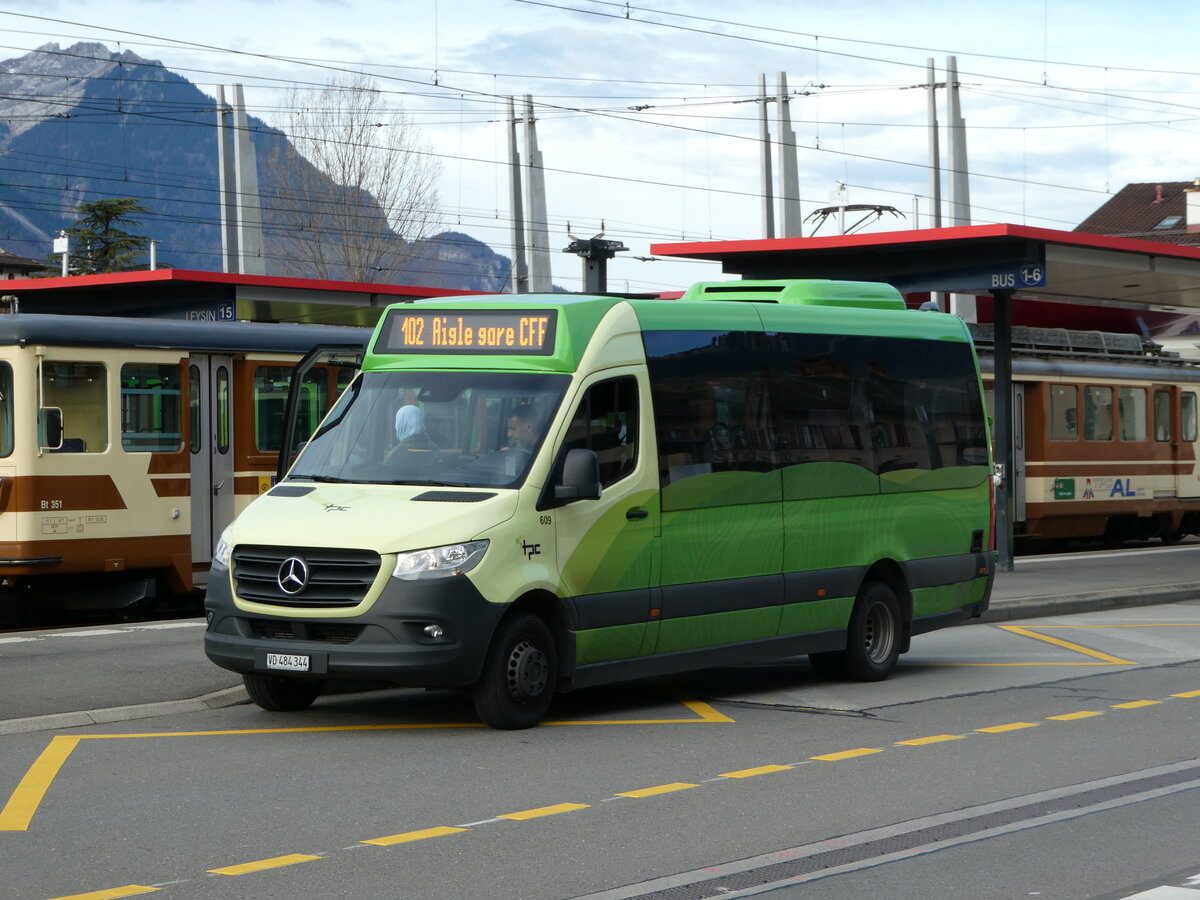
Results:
x,y
606,547
210,409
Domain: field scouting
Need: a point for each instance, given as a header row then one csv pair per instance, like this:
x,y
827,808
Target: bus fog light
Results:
x,y
434,631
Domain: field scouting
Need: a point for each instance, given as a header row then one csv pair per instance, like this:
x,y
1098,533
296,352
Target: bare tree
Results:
x,y
358,190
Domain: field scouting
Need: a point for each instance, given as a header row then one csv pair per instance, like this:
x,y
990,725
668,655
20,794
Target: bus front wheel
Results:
x,y
278,694
872,639
519,676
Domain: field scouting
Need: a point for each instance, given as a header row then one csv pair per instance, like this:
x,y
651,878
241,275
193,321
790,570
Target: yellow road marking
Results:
x,y
1145,625
407,836
1071,717
1136,704
23,803
660,789
1187,694
932,739
544,811
129,890
750,773
848,754
1059,642
1014,665
1011,726
700,708
262,864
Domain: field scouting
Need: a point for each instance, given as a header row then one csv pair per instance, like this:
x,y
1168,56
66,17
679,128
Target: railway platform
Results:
x,y
95,675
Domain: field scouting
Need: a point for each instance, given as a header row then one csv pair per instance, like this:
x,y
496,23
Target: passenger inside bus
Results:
x,y
415,450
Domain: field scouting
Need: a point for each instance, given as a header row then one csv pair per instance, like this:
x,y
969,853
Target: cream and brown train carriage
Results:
x,y
127,445
1105,442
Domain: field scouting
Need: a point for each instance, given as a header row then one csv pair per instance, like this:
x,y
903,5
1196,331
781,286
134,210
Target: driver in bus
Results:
x,y
523,432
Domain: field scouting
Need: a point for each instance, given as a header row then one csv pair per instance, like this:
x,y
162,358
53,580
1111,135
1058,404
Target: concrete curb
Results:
x,y
216,700
1040,607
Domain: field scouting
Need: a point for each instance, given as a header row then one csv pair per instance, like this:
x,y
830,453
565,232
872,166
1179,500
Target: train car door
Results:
x,y
1017,482
210,406
1186,447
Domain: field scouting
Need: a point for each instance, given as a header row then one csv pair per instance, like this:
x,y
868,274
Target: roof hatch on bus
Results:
x,y
802,292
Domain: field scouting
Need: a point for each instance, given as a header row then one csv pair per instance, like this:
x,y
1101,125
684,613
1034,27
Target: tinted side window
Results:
x,y
819,399
925,407
711,402
606,421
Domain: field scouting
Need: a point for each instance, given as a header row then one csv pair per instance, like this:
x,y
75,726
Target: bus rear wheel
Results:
x,y
519,676
872,639
278,694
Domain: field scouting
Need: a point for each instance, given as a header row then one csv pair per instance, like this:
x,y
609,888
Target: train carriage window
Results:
x,y
1162,415
223,409
1187,404
1132,412
151,413
80,390
1097,413
1063,411
194,408
6,410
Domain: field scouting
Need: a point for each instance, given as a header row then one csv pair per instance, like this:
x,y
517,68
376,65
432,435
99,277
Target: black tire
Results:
x,y
279,694
873,638
519,676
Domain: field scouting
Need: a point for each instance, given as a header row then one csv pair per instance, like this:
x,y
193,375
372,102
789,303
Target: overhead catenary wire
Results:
x,y
552,110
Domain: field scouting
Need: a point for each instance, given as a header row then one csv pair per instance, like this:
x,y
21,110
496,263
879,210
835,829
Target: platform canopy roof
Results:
x,y
216,296
1035,263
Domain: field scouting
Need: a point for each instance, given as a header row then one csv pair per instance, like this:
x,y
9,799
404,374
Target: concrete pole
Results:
x,y
229,210
935,157
789,175
520,275
245,171
539,230
768,176
960,193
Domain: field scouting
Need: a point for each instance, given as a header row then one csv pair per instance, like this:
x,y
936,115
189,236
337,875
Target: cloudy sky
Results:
x,y
645,113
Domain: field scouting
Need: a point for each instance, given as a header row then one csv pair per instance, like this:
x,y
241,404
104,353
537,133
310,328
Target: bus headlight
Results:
x,y
222,553
439,562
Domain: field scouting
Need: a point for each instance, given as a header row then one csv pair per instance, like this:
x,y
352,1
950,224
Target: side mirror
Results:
x,y
50,428
581,477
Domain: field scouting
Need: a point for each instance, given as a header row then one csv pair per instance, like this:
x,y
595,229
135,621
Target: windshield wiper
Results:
x,y
324,479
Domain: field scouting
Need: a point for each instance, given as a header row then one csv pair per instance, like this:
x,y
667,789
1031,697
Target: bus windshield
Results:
x,y
454,429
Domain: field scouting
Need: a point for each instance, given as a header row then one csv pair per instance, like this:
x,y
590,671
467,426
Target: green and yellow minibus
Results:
x,y
526,495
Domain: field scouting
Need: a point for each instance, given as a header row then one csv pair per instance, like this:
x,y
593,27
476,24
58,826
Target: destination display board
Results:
x,y
510,332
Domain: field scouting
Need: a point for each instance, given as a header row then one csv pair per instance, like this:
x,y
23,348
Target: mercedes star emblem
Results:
x,y
293,575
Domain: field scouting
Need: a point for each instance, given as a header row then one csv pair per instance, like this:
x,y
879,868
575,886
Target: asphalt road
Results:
x,y
1053,756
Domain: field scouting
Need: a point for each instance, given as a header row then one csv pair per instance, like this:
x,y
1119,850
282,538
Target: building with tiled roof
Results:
x,y
1166,211
13,266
